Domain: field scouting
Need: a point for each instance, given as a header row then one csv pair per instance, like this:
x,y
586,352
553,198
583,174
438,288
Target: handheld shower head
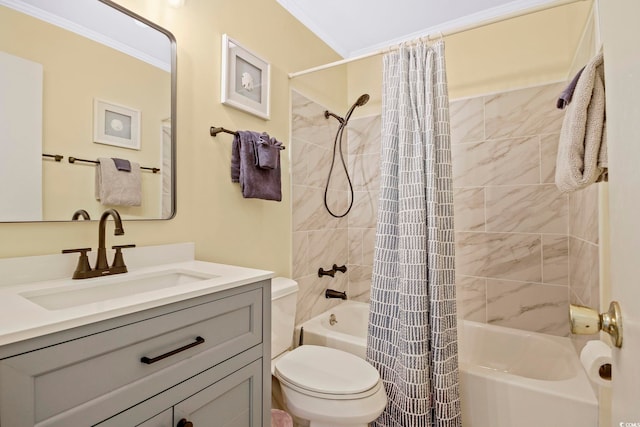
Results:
x,y
363,99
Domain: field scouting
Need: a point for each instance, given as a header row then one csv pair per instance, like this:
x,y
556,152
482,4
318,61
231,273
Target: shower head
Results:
x,y
363,99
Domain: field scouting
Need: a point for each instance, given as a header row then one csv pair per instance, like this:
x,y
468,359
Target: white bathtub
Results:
x,y
509,378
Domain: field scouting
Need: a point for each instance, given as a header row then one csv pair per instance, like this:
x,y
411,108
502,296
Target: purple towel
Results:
x,y
567,93
256,183
267,152
122,164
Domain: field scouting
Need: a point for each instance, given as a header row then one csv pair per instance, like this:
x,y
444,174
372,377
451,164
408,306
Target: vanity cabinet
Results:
x,y
230,401
206,360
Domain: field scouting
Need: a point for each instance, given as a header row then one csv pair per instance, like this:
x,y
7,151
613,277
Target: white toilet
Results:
x,y
328,387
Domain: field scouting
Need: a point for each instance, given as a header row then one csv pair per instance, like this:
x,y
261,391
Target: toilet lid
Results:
x,y
326,370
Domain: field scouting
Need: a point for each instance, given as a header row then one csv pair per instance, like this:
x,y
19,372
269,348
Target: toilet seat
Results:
x,y
327,373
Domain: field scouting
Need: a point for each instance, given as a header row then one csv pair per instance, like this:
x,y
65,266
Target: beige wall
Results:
x,y
521,52
77,70
211,211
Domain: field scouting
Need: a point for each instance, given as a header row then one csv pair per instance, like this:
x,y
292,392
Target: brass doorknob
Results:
x,y
184,423
585,321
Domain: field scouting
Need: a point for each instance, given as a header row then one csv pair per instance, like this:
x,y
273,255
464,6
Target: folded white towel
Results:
x,y
118,188
582,149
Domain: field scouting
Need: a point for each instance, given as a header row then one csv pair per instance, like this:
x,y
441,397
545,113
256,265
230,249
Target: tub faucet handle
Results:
x,y
341,269
322,272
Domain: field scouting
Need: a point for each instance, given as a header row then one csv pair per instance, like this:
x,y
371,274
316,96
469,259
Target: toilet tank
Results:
x,y
284,296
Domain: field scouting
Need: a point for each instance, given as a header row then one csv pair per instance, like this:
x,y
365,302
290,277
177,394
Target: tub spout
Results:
x,y
330,293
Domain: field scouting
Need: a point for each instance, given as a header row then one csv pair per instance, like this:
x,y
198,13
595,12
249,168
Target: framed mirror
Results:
x,y
82,81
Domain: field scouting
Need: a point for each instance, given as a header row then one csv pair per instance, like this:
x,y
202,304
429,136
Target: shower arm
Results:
x,y
328,114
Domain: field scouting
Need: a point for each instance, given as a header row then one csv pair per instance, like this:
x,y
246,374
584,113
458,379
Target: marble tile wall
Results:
x,y
364,167
319,240
584,271
511,223
524,251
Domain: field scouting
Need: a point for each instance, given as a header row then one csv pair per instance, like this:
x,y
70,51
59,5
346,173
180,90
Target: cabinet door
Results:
x,y
234,401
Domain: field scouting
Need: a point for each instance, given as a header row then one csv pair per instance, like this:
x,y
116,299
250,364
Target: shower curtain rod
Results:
x,y
440,34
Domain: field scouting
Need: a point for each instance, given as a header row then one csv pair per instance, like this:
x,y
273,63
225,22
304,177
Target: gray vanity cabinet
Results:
x,y
220,397
205,359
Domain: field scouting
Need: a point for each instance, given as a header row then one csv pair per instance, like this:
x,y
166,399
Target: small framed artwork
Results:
x,y
245,79
116,125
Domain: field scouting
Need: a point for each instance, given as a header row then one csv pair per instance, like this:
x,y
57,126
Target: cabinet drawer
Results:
x,y
229,394
54,379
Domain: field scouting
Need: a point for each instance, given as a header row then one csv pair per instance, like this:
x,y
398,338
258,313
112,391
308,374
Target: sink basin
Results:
x,y
89,291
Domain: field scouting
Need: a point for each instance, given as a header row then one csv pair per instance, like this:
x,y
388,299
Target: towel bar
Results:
x,y
214,131
56,157
75,159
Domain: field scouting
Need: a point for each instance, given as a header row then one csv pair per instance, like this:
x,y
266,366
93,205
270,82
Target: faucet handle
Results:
x,y
342,269
322,272
81,250
83,269
118,260
116,247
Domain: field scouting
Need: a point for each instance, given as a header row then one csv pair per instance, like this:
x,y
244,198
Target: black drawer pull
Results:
x,y
198,341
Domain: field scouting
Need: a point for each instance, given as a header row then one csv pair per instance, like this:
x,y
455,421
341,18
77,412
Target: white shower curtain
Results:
x,y
412,327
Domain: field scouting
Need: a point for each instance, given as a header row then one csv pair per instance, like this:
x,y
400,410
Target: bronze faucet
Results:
x,y
102,268
101,261
80,213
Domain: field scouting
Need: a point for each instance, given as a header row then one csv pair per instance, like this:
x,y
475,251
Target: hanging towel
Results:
x,y
267,152
255,183
122,164
582,149
565,97
118,188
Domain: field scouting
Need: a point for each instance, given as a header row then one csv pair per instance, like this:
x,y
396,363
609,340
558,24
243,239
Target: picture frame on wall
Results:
x,y
116,125
245,79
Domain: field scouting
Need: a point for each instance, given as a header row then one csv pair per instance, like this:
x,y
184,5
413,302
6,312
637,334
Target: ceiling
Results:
x,y
103,24
358,27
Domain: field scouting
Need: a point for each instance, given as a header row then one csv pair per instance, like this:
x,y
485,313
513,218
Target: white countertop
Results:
x,y
23,319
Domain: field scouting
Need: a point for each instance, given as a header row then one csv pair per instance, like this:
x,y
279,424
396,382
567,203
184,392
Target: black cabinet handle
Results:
x,y
184,423
149,361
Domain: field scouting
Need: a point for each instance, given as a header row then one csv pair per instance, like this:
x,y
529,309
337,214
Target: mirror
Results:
x,y
82,81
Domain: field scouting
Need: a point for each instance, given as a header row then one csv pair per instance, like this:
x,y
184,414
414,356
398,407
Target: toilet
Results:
x,y
328,387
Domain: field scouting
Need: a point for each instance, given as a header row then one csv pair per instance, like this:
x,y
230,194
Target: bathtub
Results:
x,y
508,377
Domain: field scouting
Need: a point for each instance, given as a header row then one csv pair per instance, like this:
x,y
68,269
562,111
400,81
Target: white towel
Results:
x,y
118,188
582,149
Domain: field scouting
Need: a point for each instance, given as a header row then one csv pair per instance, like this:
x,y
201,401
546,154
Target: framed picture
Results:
x,y
245,79
116,125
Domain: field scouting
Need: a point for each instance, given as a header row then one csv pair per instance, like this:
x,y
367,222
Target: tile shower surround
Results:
x,y
319,240
524,250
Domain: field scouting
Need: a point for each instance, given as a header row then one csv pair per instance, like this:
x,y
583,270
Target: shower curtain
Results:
x,y
412,326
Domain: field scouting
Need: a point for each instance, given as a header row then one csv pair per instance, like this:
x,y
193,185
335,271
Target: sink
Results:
x,y
89,291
